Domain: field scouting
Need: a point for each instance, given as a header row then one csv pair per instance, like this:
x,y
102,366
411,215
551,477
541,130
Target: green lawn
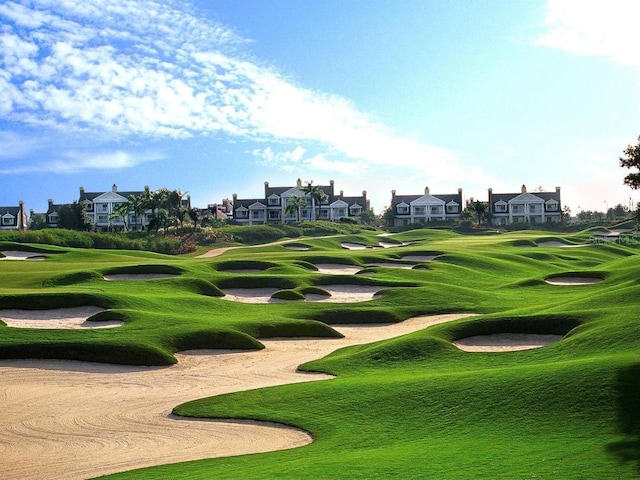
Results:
x,y
409,407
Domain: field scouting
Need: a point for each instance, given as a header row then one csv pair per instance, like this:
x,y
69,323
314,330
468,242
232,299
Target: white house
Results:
x,y
525,207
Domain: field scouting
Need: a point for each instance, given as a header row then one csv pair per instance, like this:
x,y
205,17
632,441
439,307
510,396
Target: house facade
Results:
x,y
275,206
101,208
13,218
525,207
408,209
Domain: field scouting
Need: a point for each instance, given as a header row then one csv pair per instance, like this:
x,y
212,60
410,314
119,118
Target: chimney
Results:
x,y
393,195
331,183
342,193
114,188
298,183
460,191
81,191
558,190
146,188
31,212
426,190
235,197
524,188
50,203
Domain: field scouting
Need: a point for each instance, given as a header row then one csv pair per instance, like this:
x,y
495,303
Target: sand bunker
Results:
x,y
64,318
297,247
420,258
391,265
20,255
339,294
137,276
572,280
505,342
75,420
337,269
353,246
561,245
392,245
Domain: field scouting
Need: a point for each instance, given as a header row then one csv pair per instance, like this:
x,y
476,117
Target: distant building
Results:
x,y
272,208
525,207
13,218
427,207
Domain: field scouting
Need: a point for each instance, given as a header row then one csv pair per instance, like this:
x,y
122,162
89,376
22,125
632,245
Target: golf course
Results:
x,y
422,354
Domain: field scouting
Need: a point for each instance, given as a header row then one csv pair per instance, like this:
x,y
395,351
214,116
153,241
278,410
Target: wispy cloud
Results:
x,y
158,70
75,161
607,28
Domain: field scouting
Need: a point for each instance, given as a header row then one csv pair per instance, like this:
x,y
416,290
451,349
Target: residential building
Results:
x,y
101,206
525,207
272,208
408,209
13,218
52,213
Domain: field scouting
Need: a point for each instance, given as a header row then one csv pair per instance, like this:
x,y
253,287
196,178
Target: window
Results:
x,y
7,220
340,212
102,207
436,210
257,215
552,206
419,210
517,208
274,200
53,218
89,206
402,209
242,213
535,208
274,215
324,213
355,210
501,207
103,218
452,208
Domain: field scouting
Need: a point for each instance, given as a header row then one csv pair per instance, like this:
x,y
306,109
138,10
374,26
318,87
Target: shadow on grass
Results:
x,y
628,450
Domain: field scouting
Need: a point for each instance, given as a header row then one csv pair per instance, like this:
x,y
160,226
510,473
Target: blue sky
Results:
x,y
217,97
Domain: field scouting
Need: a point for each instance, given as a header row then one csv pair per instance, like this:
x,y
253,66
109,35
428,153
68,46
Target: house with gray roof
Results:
x,y
426,207
525,207
272,208
13,218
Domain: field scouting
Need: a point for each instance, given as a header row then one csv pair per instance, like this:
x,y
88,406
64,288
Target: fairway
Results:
x,y
448,356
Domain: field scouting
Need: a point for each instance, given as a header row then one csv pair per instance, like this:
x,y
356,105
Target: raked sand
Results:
x,y
74,420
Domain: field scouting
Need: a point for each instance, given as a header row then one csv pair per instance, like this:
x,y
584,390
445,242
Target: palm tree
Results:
x,y
481,211
194,215
123,211
294,204
317,197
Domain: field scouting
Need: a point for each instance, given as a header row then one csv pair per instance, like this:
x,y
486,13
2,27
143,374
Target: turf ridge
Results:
x,y
410,407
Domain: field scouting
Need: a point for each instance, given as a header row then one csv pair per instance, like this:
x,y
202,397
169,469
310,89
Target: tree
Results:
x,y
481,211
37,221
194,215
632,160
317,196
294,205
74,217
123,211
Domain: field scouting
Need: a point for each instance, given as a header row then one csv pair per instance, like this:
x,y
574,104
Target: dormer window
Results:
x,y
402,208
274,200
8,219
552,206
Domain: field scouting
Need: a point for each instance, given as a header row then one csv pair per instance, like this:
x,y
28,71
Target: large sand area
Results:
x,y
75,420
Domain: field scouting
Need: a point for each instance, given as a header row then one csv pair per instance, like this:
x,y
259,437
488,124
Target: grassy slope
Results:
x,y
408,407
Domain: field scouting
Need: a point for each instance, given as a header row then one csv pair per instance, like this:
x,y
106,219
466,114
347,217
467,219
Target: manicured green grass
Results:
x,y
408,407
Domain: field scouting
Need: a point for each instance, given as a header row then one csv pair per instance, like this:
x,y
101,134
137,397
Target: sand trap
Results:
x,y
339,294
561,245
420,258
64,318
137,276
505,342
353,246
391,265
76,420
391,245
572,280
337,269
20,255
297,247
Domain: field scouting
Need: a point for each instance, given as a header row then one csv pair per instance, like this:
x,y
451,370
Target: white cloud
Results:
x,y
76,161
607,28
157,69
